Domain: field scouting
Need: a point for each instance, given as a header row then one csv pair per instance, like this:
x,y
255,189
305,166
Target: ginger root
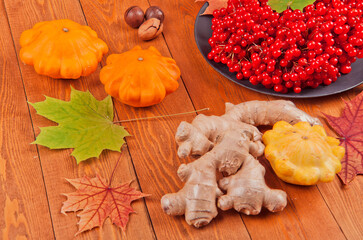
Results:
x,y
197,199
247,191
226,143
259,113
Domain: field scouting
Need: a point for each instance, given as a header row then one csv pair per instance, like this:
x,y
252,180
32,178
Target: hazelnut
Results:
x,y
134,16
154,12
150,29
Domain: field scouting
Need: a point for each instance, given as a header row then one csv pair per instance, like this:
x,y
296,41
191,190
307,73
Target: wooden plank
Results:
x,y
324,219
24,210
58,164
200,78
208,89
345,202
355,91
152,146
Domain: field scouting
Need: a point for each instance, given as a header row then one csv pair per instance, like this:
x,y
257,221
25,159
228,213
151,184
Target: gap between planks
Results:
x,y
29,114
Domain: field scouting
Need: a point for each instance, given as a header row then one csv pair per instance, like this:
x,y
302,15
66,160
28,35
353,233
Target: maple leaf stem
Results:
x,y
162,116
113,171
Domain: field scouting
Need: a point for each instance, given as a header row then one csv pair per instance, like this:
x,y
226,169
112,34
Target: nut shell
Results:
x,y
150,29
154,12
134,16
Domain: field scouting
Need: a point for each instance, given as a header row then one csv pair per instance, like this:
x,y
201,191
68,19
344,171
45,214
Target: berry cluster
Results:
x,y
290,50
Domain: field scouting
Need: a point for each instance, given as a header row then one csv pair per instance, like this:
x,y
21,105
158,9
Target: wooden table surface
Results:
x,y
32,178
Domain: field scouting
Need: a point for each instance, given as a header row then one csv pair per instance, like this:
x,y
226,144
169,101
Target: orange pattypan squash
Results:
x,y
62,49
140,78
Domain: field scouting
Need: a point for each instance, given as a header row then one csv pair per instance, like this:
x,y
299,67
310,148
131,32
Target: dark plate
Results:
x,y
203,31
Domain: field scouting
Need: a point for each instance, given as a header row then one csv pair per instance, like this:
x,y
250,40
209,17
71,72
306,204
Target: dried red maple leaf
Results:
x,y
98,200
213,5
350,128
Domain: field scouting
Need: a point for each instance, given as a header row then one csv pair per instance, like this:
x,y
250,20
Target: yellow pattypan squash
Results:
x,y
140,78
62,49
302,154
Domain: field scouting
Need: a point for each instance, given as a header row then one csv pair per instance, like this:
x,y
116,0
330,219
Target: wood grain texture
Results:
x,y
204,85
24,211
31,181
345,202
152,147
58,164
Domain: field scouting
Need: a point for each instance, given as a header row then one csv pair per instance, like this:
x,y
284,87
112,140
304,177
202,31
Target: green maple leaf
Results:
x,y
85,124
282,5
